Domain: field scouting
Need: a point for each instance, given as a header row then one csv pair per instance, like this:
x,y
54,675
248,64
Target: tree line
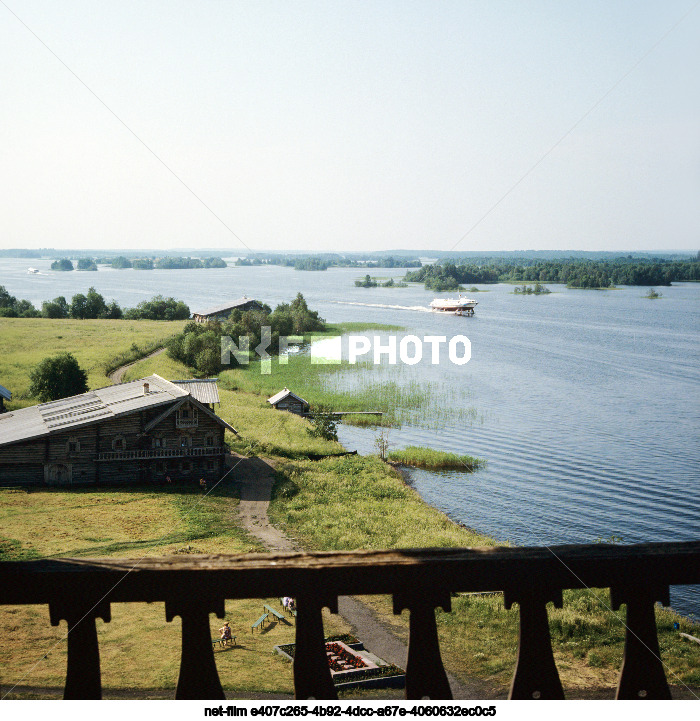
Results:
x,y
574,272
92,305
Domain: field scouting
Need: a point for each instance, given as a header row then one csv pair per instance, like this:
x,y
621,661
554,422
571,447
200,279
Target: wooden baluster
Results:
x,y
312,675
642,673
198,678
536,675
83,680
425,674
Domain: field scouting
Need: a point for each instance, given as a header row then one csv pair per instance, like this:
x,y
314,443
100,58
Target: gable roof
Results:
x,y
228,306
285,394
5,393
204,390
92,407
171,409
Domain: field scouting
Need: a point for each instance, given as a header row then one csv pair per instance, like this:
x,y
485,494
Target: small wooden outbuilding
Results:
x,y
285,400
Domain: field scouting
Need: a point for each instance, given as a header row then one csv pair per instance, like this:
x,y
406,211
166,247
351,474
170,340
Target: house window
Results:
x,y
209,440
186,442
157,442
160,466
73,445
211,466
185,413
186,466
118,444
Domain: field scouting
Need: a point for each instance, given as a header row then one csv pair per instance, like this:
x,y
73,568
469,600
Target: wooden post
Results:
x,y
83,679
536,675
199,678
425,674
642,674
312,675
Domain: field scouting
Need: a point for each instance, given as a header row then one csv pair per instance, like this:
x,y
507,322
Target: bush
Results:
x,y
57,377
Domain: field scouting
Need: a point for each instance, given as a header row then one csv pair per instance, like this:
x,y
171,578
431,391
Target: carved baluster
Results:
x,y
83,681
312,675
536,675
425,674
198,678
642,674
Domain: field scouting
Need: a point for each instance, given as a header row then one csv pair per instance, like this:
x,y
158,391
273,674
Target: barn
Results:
x,y
222,312
285,400
144,431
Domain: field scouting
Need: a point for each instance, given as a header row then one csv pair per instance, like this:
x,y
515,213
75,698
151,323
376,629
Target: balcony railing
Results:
x,y
184,452
80,590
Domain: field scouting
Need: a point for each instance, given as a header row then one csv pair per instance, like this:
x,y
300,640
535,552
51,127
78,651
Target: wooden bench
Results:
x,y
224,641
276,614
260,622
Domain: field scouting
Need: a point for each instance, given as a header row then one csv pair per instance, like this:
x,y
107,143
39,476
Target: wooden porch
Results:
x,y
192,587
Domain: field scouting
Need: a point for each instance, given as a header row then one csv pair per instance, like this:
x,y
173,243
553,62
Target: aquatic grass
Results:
x,y
422,457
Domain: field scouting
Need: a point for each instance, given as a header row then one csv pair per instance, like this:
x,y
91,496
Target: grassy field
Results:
x,y
98,345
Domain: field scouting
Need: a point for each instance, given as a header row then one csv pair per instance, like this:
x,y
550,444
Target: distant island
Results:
x,y
121,262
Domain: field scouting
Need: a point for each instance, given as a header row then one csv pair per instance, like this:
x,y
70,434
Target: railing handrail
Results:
x,y
361,572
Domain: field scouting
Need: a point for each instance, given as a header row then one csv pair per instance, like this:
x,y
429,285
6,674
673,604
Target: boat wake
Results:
x,y
419,308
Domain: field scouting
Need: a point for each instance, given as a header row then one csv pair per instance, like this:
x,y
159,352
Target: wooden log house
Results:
x,y
137,432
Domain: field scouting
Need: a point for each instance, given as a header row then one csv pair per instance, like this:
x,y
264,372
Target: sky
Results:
x,y
350,125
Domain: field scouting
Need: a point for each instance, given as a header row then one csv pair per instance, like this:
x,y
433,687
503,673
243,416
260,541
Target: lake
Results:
x,y
587,401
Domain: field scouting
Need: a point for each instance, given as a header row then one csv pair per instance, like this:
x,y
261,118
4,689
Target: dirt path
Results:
x,y
255,477
117,375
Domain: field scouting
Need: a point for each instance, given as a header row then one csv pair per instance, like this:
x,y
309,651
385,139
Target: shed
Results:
x,y
285,400
222,312
5,395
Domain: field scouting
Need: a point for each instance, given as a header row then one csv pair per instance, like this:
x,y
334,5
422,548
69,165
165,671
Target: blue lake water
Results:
x,y
587,400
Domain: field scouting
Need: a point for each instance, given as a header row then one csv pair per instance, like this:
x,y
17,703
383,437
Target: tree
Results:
x,y
56,308
57,377
324,425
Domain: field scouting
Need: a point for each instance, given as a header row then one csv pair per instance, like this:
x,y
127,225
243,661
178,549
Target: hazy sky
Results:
x,y
351,125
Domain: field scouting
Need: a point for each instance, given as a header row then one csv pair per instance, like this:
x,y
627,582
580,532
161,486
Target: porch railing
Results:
x,y
80,590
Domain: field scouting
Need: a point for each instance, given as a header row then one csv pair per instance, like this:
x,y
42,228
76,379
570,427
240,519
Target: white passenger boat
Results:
x,y
32,270
457,306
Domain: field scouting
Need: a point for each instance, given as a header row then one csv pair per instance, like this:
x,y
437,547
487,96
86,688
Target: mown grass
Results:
x,y
422,457
98,345
47,522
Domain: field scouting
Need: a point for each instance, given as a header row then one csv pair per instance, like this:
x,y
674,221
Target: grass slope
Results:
x,y
98,345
